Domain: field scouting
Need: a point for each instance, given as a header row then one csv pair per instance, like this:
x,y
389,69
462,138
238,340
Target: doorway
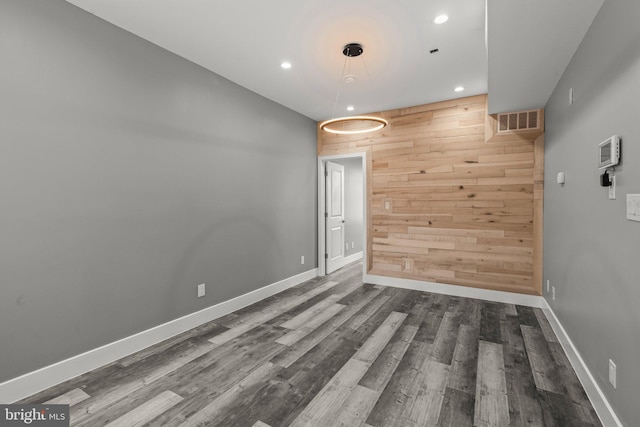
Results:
x,y
341,211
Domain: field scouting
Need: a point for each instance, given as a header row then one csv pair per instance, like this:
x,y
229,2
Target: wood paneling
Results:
x,y
444,205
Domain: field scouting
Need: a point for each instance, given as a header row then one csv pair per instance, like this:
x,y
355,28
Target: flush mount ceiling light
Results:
x,y
352,124
286,65
459,88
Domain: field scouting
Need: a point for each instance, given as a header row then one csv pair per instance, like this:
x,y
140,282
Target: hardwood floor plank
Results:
x,y
312,324
465,360
445,339
527,316
457,409
357,407
300,383
202,383
438,305
302,347
378,375
251,321
322,409
510,310
210,411
307,315
92,406
542,364
524,405
390,405
426,395
147,411
491,405
379,339
585,412
558,411
168,345
70,398
490,323
549,335
362,317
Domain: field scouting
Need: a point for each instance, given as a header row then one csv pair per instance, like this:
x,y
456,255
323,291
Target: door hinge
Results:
x,y
326,214
326,173
326,256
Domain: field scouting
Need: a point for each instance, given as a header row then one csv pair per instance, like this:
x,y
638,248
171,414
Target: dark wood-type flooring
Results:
x,y
336,352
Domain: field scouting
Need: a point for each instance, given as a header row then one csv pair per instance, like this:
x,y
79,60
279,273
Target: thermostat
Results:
x,y
609,152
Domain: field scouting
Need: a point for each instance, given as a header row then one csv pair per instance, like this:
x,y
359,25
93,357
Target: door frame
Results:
x,y
322,206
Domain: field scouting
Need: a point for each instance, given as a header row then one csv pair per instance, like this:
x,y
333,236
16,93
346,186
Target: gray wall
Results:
x,y
128,176
590,248
353,204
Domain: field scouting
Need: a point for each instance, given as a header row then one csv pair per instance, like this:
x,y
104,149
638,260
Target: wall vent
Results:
x,y
525,125
522,120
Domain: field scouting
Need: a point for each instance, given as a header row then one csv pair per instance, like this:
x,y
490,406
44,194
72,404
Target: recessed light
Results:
x,y
459,88
350,108
286,65
441,19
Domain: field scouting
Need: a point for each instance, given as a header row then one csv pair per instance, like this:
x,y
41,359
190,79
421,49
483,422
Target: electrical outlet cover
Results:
x,y
612,373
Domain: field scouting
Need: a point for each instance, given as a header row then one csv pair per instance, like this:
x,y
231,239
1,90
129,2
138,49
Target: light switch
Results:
x,y
633,207
560,178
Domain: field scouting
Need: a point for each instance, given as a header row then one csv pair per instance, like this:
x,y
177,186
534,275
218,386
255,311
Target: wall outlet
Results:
x,y
302,259
353,245
612,373
548,286
553,293
201,290
346,245
407,264
570,96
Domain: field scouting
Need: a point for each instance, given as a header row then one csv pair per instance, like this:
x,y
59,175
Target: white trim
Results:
x,y
460,291
353,257
600,403
36,381
321,207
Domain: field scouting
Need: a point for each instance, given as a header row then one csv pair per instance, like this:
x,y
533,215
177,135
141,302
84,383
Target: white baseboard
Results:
x,y
36,381
600,403
459,291
353,258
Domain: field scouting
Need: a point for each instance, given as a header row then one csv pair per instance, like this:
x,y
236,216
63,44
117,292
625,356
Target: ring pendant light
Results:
x,y
351,125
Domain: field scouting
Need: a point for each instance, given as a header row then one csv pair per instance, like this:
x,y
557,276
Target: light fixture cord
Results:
x,y
335,104
371,84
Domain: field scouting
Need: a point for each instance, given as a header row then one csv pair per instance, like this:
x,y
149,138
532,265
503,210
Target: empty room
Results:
x,y
319,213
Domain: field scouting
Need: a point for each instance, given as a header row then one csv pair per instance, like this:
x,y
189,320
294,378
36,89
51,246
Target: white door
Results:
x,y
335,216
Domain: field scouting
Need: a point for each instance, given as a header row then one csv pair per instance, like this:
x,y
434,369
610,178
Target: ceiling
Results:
x,y
518,60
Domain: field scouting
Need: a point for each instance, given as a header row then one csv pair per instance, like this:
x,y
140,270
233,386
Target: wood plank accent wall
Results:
x,y
446,206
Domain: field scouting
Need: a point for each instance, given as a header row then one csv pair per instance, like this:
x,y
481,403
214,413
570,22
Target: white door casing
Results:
x,y
334,216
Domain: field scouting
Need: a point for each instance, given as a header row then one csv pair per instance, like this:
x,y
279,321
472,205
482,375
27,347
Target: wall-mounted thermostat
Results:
x,y
609,152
